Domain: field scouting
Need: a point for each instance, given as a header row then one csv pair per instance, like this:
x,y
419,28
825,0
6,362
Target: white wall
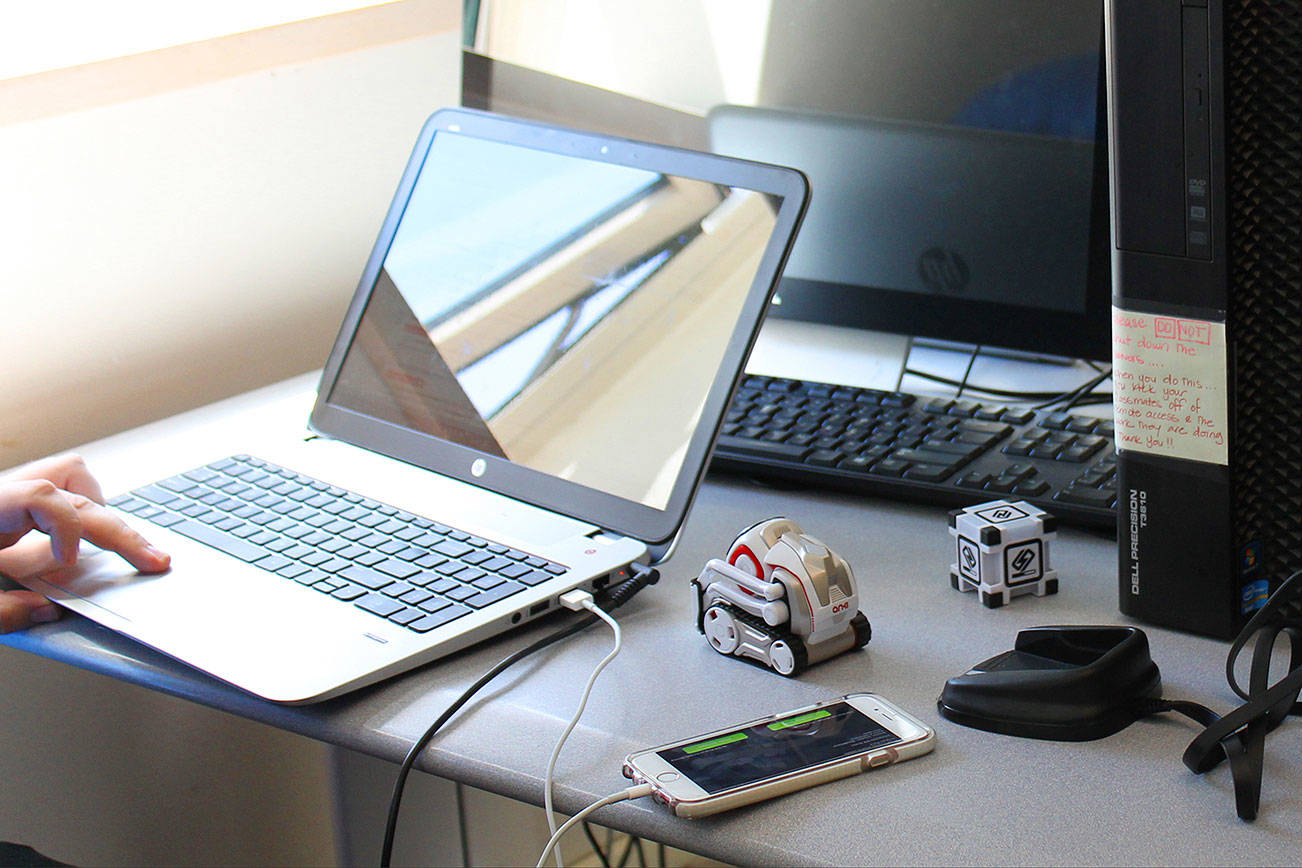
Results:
x,y
165,251
157,254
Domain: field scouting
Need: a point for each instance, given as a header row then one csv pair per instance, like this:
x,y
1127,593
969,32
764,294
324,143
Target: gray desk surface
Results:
x,y
978,798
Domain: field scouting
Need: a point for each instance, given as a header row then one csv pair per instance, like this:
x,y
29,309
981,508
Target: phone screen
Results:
x,y
773,748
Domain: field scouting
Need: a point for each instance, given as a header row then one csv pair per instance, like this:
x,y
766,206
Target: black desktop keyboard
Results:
x,y
935,450
396,565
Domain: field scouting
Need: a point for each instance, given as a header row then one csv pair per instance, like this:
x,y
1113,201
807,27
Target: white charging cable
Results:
x,y
623,795
577,599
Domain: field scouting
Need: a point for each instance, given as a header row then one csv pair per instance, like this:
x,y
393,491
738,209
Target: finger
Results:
x,y
19,609
68,472
104,529
37,503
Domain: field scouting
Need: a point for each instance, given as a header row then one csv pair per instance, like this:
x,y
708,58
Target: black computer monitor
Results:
x,y
955,149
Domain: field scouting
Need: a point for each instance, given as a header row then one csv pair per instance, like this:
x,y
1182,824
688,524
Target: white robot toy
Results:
x,y
781,598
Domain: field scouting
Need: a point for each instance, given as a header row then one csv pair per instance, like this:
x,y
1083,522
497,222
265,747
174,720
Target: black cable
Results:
x,y
987,390
971,360
612,599
1074,397
596,846
628,851
1000,393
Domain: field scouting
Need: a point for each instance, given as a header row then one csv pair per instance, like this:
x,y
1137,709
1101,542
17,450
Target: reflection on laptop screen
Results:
x,y
564,313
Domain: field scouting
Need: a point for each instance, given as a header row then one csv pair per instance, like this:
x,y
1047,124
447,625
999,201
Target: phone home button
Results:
x,y
667,777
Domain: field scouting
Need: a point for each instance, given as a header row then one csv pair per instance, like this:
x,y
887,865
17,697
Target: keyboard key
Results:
x,y
314,557
442,584
533,577
762,449
890,467
365,577
974,479
514,571
823,458
452,548
415,596
928,456
273,562
469,574
1089,496
1019,417
929,472
410,553
311,577
952,447
293,571
438,619
487,581
406,616
397,589
1030,488
379,604
434,603
487,598
397,569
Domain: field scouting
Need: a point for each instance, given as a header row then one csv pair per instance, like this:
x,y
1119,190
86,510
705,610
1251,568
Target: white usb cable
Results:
x,y
577,599
631,793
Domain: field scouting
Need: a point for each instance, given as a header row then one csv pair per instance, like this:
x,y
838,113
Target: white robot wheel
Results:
x,y
786,656
721,630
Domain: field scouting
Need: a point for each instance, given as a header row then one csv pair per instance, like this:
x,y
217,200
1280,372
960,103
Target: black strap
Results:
x,y
1240,736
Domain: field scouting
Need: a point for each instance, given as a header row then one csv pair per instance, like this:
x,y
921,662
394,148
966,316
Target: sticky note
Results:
x,y
1170,395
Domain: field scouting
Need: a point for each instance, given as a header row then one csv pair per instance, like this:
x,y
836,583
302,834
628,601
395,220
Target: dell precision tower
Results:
x,y
1205,123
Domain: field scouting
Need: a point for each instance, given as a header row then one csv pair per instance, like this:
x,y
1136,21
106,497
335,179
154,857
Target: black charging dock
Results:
x,y
1059,683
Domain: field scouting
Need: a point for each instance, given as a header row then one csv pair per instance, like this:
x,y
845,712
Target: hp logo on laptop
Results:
x,y
943,270
478,467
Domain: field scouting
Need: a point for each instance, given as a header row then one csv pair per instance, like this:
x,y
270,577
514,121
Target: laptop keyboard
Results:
x,y
399,566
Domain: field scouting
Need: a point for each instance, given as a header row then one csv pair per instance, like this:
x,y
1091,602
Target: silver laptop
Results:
x,y
521,401
938,209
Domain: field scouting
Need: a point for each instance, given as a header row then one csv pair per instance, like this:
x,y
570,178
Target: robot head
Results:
x,y
780,542
751,547
813,564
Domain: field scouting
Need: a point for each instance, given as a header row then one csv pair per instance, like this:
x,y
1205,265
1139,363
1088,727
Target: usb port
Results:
x,y
539,608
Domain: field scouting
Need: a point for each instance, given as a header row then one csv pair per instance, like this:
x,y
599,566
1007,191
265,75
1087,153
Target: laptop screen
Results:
x,y
570,311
